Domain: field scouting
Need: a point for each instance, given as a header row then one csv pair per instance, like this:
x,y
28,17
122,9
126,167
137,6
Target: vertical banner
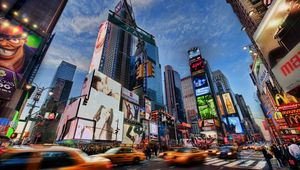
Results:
x,y
228,103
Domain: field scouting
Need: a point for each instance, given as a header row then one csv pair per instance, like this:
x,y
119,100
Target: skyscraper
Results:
x,y
61,86
221,82
35,21
173,92
189,102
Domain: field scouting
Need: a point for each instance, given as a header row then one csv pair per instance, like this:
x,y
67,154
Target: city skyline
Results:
x,y
220,37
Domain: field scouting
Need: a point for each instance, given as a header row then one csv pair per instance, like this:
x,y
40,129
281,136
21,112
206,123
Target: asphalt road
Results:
x,y
247,160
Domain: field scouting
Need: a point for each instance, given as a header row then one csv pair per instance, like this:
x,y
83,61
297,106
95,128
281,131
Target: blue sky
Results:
x,y
177,26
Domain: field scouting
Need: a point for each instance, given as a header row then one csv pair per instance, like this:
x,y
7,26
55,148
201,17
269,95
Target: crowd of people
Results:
x,y
287,155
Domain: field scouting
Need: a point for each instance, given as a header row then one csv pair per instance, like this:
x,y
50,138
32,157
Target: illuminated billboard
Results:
x,y
86,87
7,84
130,96
17,48
84,129
194,52
101,39
131,111
234,125
202,91
153,128
196,64
200,81
228,103
220,105
132,134
206,107
147,109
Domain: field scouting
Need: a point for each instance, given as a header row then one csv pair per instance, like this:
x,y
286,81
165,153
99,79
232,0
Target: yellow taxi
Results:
x,y
54,157
187,155
168,154
213,151
122,155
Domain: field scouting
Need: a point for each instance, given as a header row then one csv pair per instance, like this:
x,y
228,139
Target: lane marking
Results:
x,y
260,165
211,162
234,163
220,163
248,163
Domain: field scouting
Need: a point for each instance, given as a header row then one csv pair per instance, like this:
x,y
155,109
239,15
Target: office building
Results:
x,y
189,102
221,82
173,92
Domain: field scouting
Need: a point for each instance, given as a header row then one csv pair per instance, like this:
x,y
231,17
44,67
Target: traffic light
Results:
x,y
140,72
150,69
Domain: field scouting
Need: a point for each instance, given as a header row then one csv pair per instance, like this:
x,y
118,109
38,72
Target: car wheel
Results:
x,y
136,160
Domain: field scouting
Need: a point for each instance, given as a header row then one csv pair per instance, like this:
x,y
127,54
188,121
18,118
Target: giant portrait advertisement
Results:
x,y
233,125
7,84
70,128
132,134
147,109
228,103
101,39
220,105
206,107
69,113
131,111
86,87
17,48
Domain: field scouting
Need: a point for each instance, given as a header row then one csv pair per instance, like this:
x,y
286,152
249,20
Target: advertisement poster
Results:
x,y
146,129
70,127
86,87
69,113
132,134
18,48
293,120
220,105
147,109
101,39
4,125
84,130
131,111
206,107
7,84
202,91
228,103
234,125
200,81
153,128
196,64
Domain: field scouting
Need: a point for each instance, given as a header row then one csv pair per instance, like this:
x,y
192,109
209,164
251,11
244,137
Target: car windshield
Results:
x,y
226,148
83,155
174,149
184,150
112,151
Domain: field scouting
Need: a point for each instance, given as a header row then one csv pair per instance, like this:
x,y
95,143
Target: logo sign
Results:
x,y
287,71
7,84
202,91
130,96
197,64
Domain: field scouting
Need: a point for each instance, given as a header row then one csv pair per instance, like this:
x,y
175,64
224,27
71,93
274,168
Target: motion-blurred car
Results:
x,y
168,153
258,147
213,151
122,155
228,152
245,147
186,155
55,157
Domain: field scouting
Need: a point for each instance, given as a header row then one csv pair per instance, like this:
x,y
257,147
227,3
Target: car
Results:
x,y
228,152
168,153
122,155
54,157
187,155
213,151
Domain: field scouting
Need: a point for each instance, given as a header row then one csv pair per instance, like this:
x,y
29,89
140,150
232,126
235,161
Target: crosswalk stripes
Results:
x,y
249,164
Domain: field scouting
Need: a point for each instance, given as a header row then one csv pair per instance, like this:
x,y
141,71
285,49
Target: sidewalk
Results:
x,y
276,166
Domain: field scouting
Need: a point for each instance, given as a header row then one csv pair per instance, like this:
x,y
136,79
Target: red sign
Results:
x,y
295,111
288,107
197,65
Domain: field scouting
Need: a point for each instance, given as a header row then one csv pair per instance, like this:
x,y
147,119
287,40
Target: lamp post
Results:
x,y
36,99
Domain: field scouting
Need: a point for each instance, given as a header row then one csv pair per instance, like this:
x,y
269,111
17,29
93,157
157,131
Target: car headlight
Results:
x,y
219,153
206,151
229,153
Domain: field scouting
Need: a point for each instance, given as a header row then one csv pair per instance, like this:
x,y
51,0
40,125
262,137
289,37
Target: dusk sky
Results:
x,y
176,25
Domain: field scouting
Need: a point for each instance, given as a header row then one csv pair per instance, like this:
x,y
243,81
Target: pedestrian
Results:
x,y
155,148
277,153
268,157
148,152
294,151
285,154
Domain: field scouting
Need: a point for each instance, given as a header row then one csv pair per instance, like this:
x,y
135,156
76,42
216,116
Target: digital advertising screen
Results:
x,y
153,128
220,105
84,129
234,125
101,39
7,84
196,64
132,134
18,48
206,107
130,96
202,91
200,81
228,103
147,109
131,111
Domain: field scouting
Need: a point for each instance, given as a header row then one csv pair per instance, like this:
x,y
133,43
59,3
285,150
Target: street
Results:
x,y
249,159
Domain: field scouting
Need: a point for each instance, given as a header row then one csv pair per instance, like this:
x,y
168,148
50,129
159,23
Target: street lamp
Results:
x,y
36,98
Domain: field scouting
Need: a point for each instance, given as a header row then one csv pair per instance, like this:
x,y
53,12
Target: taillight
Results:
x,y
109,165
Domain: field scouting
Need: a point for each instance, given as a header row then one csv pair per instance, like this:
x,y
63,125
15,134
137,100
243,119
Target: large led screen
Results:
x,y
131,111
147,109
206,107
234,125
228,103
200,81
7,84
153,128
196,64
220,105
132,134
84,129
17,48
